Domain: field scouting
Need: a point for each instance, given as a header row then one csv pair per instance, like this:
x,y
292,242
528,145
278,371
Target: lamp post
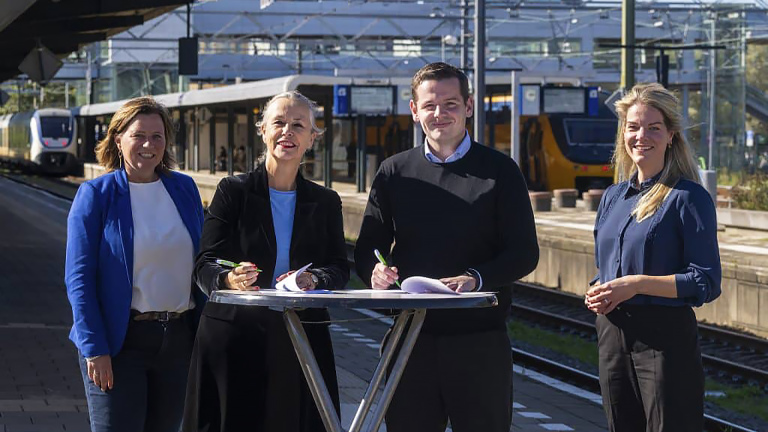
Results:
x,y
450,40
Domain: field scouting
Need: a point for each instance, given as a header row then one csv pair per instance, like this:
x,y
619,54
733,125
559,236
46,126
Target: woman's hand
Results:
x,y
100,372
383,277
242,278
304,281
603,298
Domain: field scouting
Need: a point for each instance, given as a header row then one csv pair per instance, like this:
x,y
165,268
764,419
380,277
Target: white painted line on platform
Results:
x,y
374,346
377,316
555,383
589,227
556,427
745,249
578,226
35,326
517,405
365,340
354,335
36,198
533,415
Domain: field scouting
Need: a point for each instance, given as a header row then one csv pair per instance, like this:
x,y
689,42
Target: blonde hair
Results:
x,y
107,152
679,159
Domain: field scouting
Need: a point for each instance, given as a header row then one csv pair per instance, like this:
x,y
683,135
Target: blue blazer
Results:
x,y
99,262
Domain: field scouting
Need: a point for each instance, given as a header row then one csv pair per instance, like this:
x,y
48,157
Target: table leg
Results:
x,y
397,369
381,370
311,370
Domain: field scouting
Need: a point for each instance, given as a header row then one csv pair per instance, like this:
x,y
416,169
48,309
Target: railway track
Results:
x,y
726,354
564,311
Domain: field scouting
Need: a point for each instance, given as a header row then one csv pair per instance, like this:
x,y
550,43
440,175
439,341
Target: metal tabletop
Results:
x,y
354,299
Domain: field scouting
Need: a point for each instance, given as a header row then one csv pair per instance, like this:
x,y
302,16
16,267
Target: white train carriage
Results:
x,y
41,140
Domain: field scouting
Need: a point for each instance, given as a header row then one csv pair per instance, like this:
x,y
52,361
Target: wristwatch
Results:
x,y
315,280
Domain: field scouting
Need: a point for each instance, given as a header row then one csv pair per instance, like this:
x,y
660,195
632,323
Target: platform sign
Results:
x,y
530,102
593,101
612,99
340,100
564,100
371,100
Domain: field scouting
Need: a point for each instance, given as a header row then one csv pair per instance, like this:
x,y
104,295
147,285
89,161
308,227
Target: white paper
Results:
x,y
421,284
289,283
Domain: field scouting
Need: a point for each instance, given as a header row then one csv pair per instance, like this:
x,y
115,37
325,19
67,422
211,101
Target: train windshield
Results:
x,y
590,140
55,127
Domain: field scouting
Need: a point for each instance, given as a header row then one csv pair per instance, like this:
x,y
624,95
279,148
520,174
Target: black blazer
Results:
x,y
239,227
244,371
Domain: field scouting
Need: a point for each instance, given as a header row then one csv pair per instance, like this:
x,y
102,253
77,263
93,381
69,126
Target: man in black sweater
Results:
x,y
459,212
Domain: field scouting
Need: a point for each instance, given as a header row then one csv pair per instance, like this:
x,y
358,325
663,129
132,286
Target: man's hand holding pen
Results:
x,y
383,276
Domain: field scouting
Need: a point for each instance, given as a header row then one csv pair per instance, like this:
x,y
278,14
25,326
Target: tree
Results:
x,y
757,61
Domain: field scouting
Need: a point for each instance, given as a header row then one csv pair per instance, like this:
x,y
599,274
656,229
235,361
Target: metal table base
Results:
x,y
413,309
320,390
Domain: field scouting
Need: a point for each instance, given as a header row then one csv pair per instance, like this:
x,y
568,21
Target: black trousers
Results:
x,y
651,376
245,377
466,378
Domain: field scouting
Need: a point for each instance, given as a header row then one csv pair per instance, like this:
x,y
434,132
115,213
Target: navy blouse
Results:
x,y
679,239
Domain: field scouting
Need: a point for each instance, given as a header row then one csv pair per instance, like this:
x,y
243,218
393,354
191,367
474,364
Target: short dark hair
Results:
x,y
440,71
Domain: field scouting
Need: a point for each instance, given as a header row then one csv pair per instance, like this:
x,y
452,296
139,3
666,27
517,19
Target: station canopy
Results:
x,y
60,27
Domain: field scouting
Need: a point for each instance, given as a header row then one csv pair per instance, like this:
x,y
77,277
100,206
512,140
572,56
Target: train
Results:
x,y
42,141
567,136
567,132
566,141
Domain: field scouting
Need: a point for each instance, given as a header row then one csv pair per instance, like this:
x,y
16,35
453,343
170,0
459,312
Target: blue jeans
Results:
x,y
150,380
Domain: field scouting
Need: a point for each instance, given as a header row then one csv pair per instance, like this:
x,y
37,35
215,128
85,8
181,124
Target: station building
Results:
x,y
256,49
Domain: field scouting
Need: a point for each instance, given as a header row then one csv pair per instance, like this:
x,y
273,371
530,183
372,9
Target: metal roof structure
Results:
x,y
259,90
64,26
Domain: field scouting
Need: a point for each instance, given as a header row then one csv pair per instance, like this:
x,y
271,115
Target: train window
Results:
x,y
55,127
590,140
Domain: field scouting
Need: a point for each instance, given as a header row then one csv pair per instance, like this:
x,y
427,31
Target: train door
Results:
x,y
532,156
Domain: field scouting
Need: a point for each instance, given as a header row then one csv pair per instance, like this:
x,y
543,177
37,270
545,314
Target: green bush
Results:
x,y
752,193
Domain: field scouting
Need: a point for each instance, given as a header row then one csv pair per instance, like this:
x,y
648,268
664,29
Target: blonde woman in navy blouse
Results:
x,y
657,255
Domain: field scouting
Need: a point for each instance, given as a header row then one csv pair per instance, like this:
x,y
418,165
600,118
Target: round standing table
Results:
x,y
412,307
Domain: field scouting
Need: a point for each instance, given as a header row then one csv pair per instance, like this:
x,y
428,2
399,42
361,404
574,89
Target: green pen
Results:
x,y
227,263
381,259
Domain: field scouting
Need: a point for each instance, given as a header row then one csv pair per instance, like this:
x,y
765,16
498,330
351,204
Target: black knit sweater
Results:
x,y
446,218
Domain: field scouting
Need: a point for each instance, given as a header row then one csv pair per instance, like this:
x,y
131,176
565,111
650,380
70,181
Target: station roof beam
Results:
x,y
65,26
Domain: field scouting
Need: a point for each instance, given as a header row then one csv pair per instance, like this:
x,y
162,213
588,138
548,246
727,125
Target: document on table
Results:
x,y
421,284
289,283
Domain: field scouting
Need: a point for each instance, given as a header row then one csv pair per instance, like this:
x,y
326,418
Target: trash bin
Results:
x,y
709,181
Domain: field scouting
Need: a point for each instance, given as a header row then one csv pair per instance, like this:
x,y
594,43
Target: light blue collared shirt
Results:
x,y
461,150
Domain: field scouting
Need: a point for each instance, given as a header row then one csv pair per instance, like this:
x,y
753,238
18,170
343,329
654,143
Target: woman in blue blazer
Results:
x,y
132,235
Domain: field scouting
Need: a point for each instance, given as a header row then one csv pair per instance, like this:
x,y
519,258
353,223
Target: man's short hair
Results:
x,y
440,71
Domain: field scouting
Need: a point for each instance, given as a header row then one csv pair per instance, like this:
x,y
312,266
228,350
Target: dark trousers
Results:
x,y
150,379
651,376
466,378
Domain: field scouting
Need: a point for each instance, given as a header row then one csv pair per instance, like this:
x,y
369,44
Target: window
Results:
x,y
55,127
